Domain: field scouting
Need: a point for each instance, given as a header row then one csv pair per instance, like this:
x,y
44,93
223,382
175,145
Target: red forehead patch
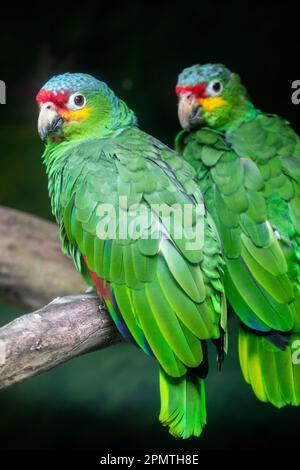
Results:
x,y
59,98
197,90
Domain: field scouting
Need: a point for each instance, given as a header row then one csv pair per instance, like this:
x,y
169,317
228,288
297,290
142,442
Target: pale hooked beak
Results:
x,y
189,111
49,122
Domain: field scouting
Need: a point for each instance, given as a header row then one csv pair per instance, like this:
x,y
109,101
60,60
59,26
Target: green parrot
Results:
x,y
118,195
248,168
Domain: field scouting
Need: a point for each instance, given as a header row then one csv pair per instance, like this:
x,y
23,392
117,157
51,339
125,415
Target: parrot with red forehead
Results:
x,y
113,189
248,168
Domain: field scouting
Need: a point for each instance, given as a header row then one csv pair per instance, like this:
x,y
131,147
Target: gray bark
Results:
x,y
32,272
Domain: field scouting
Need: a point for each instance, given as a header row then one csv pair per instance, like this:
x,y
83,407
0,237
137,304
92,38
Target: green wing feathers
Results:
x,y
250,178
169,294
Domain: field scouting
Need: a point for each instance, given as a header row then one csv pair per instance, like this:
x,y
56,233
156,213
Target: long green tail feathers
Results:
x,y
183,407
273,373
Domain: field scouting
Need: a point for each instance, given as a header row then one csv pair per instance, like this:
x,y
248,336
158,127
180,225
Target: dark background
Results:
x,y
109,400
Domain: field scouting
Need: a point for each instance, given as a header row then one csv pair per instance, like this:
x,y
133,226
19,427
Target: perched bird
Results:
x,y
248,168
113,189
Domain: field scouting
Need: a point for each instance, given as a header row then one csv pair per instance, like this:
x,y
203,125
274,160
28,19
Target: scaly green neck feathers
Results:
x,y
244,111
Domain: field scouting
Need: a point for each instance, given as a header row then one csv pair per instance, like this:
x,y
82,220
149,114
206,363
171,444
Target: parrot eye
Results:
x,y
77,101
215,88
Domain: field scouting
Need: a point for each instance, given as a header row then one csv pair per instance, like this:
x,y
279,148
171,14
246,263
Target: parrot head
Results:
x,y
210,95
76,106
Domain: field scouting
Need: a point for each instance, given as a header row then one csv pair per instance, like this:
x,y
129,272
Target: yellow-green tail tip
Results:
x,y
183,407
271,372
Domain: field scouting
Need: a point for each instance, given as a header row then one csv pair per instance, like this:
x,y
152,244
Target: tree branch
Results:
x,y
39,341
32,272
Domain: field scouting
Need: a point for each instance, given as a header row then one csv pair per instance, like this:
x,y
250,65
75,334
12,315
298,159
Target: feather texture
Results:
x,y
250,176
163,294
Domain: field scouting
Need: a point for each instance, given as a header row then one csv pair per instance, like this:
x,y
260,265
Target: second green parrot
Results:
x,y
248,167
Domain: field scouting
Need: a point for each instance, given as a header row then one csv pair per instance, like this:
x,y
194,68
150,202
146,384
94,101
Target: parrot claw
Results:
x,y
101,306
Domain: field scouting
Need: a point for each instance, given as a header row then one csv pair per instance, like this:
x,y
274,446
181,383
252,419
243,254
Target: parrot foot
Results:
x,y
101,307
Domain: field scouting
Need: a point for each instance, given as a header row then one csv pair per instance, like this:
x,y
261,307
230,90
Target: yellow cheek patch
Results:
x,y
209,104
76,115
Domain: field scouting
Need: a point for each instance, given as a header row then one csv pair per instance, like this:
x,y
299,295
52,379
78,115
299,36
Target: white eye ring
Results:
x,y
77,101
215,88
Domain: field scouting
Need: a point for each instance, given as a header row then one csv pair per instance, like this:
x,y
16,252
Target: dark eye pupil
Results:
x,y
79,100
217,87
